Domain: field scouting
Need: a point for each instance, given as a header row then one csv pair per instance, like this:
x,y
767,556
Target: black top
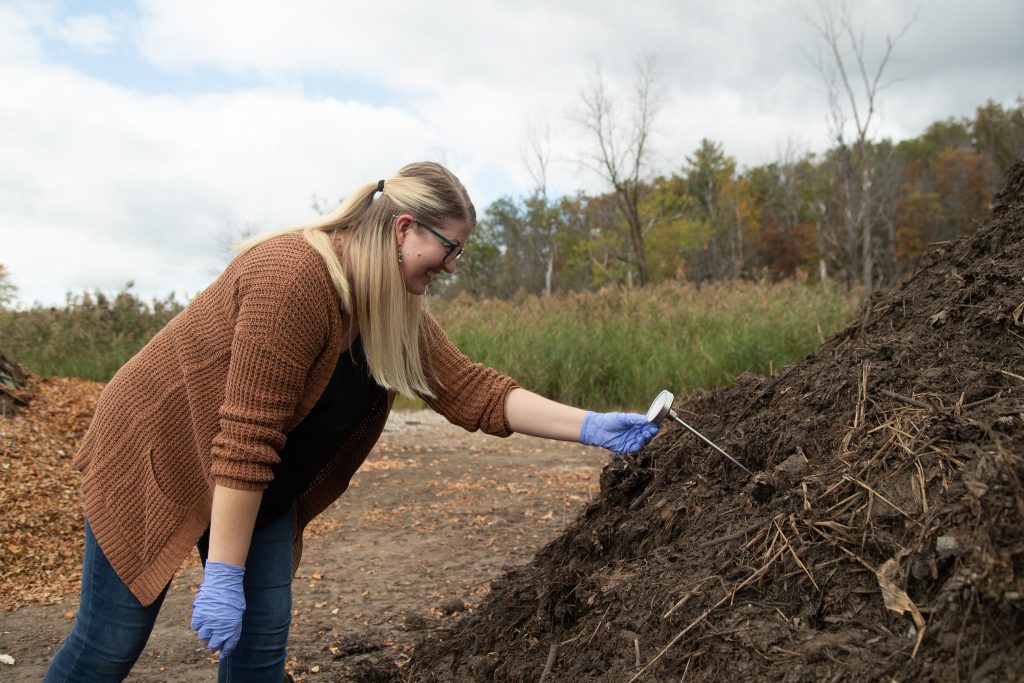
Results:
x,y
348,397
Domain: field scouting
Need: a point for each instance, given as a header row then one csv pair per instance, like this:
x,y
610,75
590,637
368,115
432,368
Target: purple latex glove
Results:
x,y
218,608
619,432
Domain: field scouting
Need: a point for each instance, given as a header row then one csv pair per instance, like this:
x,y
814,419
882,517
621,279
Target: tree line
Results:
x,y
860,213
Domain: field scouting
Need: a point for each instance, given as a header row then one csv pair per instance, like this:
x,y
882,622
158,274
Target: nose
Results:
x,y
450,266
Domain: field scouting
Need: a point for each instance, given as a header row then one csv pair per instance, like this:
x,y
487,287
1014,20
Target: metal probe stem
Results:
x,y
675,417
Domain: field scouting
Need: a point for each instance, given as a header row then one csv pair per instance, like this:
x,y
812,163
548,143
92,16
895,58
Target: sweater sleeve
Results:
x,y
467,394
281,327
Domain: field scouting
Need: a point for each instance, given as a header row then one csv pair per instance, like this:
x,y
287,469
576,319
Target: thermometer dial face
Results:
x,y
659,409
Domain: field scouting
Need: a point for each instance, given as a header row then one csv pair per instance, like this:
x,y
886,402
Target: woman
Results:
x,y
248,414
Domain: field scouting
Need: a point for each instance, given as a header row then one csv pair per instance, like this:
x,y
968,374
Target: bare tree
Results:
x,y
620,149
8,290
537,157
853,89
537,152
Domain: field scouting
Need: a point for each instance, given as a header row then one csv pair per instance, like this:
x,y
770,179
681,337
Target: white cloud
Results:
x,y
16,41
94,177
474,68
418,47
91,33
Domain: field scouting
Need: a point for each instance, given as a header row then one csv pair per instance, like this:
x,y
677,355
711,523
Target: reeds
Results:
x,y
607,349
616,348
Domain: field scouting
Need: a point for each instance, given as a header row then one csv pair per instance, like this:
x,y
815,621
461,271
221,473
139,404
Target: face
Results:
x,y
423,252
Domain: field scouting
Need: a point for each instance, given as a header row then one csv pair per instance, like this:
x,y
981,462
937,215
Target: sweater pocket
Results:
x,y
163,513
147,515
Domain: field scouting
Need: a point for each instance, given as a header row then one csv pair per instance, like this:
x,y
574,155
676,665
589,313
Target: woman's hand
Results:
x,y
219,606
619,432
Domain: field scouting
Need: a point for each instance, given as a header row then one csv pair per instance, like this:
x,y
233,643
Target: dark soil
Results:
x,y
882,539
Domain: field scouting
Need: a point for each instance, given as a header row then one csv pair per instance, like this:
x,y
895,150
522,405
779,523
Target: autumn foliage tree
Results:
x,y
620,149
712,220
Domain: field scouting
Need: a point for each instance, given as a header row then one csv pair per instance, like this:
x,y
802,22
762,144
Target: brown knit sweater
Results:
x,y
211,399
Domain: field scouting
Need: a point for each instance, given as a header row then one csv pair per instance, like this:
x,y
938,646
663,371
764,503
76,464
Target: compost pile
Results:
x,y
882,537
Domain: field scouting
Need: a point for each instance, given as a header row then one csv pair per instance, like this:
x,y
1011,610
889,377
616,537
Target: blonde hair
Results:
x,y
369,283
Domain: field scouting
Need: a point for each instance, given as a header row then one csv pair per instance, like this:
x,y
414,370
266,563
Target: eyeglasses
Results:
x,y
455,250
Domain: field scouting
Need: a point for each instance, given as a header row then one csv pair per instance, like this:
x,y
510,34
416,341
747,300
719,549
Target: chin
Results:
x,y
418,285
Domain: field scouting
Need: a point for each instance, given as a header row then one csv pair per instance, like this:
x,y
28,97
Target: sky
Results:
x,y
137,137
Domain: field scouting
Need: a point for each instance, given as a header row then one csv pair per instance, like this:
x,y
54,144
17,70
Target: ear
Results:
x,y
403,224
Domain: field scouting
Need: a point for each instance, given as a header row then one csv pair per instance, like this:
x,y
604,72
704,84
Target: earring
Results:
x,y
399,256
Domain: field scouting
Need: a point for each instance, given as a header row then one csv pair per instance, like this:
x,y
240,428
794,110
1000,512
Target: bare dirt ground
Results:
x,y
432,518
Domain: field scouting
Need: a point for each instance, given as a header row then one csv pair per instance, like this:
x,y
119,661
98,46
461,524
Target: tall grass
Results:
x,y
617,348
90,337
612,348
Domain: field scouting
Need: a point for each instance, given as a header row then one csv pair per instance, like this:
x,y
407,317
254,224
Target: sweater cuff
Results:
x,y
497,423
240,484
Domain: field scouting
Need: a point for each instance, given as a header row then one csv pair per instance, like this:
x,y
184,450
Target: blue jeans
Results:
x,y
112,626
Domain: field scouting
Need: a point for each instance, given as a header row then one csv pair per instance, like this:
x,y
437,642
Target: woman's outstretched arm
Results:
x,y
530,413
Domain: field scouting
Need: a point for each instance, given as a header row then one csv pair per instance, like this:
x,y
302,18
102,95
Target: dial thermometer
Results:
x,y
662,408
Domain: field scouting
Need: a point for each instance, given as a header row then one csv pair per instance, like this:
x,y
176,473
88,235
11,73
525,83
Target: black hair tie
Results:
x,y
380,188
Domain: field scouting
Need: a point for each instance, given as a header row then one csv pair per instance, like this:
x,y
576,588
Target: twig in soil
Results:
x,y
756,537
796,557
550,664
792,525
785,651
573,639
835,542
858,412
896,507
844,502
646,493
770,545
906,399
921,483
691,591
599,622
689,659
1010,374
862,397
726,598
734,535
835,526
983,401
